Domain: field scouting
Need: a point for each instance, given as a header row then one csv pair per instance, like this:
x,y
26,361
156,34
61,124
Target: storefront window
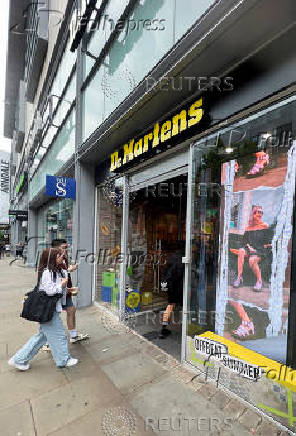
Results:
x,y
65,67
243,190
55,221
60,152
93,104
152,28
121,73
126,53
109,255
65,102
185,16
103,30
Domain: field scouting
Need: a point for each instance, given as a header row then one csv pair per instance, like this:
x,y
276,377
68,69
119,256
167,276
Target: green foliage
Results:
x,y
193,329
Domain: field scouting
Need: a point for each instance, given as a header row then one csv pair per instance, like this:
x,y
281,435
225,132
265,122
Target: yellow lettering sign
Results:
x,y
128,151
160,134
166,131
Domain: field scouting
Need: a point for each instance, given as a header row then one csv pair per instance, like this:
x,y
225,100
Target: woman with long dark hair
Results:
x,y
52,280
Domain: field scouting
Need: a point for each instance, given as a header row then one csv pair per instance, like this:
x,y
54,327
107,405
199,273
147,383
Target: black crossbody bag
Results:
x,y
38,306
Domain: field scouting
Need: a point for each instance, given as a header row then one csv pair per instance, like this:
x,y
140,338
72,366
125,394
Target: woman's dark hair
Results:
x,y
57,242
48,260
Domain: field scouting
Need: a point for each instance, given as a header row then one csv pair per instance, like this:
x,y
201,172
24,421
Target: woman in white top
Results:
x,y
52,279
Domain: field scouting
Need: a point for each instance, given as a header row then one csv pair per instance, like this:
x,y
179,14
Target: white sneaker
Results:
x,y
20,366
72,362
79,337
45,347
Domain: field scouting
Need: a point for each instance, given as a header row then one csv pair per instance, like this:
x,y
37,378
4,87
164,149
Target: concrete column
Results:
x,y
15,236
84,206
84,231
32,237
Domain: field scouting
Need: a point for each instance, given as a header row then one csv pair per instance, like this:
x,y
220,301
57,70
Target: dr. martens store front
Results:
x,y
195,245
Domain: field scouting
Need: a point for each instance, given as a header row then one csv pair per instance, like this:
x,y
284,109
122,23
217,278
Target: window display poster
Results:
x,y
255,250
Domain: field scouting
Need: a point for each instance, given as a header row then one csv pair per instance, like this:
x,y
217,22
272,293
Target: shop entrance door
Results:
x,y
155,248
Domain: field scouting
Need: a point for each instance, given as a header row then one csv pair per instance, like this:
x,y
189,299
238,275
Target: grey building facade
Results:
x,y
137,98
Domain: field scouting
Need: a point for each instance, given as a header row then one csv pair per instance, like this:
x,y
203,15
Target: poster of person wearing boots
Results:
x,y
255,249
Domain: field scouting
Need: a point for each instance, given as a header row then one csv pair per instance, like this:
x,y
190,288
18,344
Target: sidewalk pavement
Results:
x,y
123,385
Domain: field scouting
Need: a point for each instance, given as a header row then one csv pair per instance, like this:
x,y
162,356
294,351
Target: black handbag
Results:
x,y
38,306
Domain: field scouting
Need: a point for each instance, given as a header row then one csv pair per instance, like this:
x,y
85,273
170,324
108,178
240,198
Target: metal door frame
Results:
x,y
187,259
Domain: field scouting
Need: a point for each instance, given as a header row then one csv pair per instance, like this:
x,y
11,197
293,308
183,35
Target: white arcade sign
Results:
x,y
4,186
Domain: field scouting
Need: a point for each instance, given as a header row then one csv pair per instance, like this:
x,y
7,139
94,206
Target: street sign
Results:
x,y
61,187
20,215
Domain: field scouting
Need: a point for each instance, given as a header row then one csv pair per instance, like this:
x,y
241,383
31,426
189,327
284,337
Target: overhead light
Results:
x,y
266,135
228,150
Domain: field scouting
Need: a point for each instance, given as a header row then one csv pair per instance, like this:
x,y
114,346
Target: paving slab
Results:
x,y
57,408
133,371
175,406
112,348
116,420
17,386
17,420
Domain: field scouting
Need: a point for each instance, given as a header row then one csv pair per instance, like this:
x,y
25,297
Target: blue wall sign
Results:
x,y
61,187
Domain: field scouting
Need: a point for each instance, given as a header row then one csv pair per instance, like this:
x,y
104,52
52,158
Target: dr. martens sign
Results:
x,y
161,133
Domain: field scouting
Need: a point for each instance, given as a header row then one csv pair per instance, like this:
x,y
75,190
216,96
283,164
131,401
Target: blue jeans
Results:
x,y
54,334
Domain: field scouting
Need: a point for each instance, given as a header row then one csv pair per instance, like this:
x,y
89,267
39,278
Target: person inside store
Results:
x,y
52,280
172,282
69,306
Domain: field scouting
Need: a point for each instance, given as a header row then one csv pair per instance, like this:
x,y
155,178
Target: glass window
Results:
x,y
156,244
109,242
244,186
55,222
187,14
59,153
93,104
126,65
65,67
151,29
112,13
47,140
65,102
103,30
95,45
